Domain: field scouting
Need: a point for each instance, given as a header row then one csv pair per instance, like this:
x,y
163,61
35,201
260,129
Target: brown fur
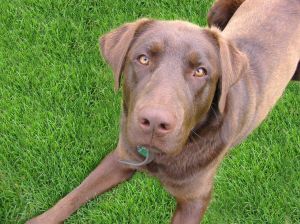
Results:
x,y
221,12
247,73
296,76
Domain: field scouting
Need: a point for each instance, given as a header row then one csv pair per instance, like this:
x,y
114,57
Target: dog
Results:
x,y
190,94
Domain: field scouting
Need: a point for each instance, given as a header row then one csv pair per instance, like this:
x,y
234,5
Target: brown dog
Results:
x,y
191,94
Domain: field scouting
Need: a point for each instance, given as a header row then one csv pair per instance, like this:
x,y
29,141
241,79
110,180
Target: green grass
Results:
x,y
59,117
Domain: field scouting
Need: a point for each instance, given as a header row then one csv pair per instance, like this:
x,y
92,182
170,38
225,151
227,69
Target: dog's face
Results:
x,y
172,70
170,81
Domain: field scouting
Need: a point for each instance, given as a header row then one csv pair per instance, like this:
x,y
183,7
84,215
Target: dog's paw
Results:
x,y
33,221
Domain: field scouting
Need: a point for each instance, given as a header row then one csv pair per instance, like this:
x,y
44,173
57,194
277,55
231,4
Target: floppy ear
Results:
x,y
115,45
233,63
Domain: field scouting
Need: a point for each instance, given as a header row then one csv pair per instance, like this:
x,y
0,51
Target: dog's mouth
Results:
x,y
147,153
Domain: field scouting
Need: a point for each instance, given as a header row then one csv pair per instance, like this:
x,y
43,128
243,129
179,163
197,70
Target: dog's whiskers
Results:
x,y
214,112
195,140
196,134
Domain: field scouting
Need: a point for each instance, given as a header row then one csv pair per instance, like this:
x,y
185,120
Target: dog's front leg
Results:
x,y
190,211
109,173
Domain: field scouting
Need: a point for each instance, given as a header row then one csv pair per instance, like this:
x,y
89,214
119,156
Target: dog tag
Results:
x,y
143,151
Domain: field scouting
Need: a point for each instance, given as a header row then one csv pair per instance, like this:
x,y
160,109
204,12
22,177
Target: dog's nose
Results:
x,y
158,120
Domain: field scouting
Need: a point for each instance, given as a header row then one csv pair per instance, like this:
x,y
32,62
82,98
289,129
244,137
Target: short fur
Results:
x,y
248,66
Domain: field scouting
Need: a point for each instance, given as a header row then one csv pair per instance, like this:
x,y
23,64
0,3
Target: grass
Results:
x,y
59,116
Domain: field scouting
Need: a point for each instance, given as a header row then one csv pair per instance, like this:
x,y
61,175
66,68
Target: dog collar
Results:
x,y
144,152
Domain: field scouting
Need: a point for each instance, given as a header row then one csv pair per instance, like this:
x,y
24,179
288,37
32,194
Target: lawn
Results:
x,y
59,117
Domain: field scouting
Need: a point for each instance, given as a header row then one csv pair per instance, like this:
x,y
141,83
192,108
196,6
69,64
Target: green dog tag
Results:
x,y
143,151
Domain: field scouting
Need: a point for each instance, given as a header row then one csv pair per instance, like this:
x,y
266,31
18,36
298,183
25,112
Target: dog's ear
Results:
x,y
233,63
115,45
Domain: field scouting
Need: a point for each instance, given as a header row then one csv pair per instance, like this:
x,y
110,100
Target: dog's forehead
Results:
x,y
172,31
176,26
175,35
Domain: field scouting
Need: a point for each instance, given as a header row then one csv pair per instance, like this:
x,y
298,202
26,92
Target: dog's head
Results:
x,y
174,73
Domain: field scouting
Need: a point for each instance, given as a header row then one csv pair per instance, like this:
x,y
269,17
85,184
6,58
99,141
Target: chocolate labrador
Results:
x,y
190,94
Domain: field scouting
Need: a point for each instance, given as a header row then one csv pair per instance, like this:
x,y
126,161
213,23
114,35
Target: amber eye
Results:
x,y
143,59
200,72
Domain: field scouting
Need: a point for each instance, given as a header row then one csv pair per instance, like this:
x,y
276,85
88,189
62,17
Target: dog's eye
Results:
x,y
143,59
200,72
